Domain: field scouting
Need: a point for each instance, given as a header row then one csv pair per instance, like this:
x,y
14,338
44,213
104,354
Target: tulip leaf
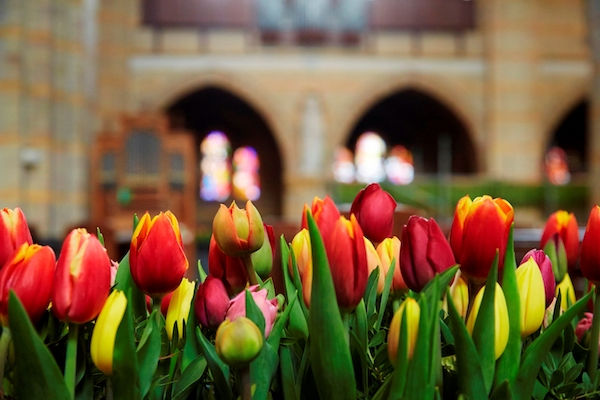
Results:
x,y
125,378
135,296
190,375
191,349
508,364
443,280
537,351
36,374
218,369
470,378
201,272
484,330
297,321
362,330
148,351
370,295
385,293
288,382
253,313
329,352
398,381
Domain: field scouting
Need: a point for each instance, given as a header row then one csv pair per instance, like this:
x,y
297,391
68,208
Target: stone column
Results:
x,y
593,139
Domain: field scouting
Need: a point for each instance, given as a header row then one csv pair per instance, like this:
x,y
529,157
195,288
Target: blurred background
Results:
x,y
119,106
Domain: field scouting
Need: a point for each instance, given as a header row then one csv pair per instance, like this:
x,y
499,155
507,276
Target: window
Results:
x,y
246,182
142,151
370,149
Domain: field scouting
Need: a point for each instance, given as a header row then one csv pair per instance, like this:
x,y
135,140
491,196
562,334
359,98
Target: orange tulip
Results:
x,y
303,253
389,250
238,232
13,233
373,261
564,225
325,214
590,247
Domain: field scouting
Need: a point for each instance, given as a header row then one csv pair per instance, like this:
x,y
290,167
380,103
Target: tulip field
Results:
x,y
363,314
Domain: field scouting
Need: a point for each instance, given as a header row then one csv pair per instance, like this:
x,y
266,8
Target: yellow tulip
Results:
x,y
500,319
413,312
303,253
373,261
459,291
179,308
532,296
105,331
567,293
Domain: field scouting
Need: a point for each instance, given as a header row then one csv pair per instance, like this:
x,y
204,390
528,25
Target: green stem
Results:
x,y
4,342
250,268
593,360
246,387
71,359
109,389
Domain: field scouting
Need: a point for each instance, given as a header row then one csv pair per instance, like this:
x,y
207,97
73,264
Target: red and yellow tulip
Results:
x,y
564,225
13,233
238,232
590,247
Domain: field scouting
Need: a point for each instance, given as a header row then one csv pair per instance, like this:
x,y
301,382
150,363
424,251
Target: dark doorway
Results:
x,y
570,135
426,127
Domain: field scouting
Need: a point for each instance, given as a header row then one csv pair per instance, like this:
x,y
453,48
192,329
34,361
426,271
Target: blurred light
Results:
x,y
370,149
215,167
557,167
399,166
246,181
343,168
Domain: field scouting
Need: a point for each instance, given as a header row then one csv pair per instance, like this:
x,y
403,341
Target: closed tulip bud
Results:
x,y
459,291
590,247
545,265
230,270
13,233
29,273
211,302
373,262
156,254
348,262
237,307
413,312
425,252
238,342
480,228
179,308
303,254
389,250
326,216
238,232
374,210
555,250
532,296
82,278
500,319
105,331
564,225
164,304
262,259
567,293
582,331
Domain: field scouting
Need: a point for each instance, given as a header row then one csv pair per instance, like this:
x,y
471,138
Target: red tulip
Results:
x,y
82,278
565,225
29,274
348,262
479,229
164,303
230,270
238,232
590,247
13,233
326,216
211,303
156,255
374,210
545,265
237,307
424,253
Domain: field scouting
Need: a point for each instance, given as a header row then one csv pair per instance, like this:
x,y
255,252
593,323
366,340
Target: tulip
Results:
x,y
347,262
373,261
179,308
555,250
374,210
590,247
567,293
533,303
13,233
237,307
230,270
164,304
238,232
389,250
479,229
500,319
262,259
82,278
211,302
326,216
105,331
564,225
156,254
413,313
29,273
238,342
425,252
303,254
583,326
459,291
545,266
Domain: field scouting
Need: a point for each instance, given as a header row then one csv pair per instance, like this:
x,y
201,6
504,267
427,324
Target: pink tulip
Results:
x,y
237,307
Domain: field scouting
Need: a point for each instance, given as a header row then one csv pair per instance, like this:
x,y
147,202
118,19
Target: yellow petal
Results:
x,y
179,307
105,331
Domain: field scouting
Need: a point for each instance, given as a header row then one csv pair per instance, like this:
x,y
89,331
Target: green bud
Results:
x,y
238,342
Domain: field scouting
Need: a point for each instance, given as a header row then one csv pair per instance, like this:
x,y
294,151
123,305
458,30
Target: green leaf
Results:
x,y
470,376
190,375
218,369
191,348
539,348
362,330
443,280
253,313
298,327
148,351
135,297
100,236
484,330
370,296
329,352
201,272
125,378
288,382
385,293
508,364
36,374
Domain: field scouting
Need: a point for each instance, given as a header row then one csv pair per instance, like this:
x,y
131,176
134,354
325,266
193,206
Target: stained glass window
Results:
x,y
246,182
343,169
399,166
370,149
215,167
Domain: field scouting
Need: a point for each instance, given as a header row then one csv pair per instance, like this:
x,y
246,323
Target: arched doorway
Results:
x,y
570,135
438,140
214,111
